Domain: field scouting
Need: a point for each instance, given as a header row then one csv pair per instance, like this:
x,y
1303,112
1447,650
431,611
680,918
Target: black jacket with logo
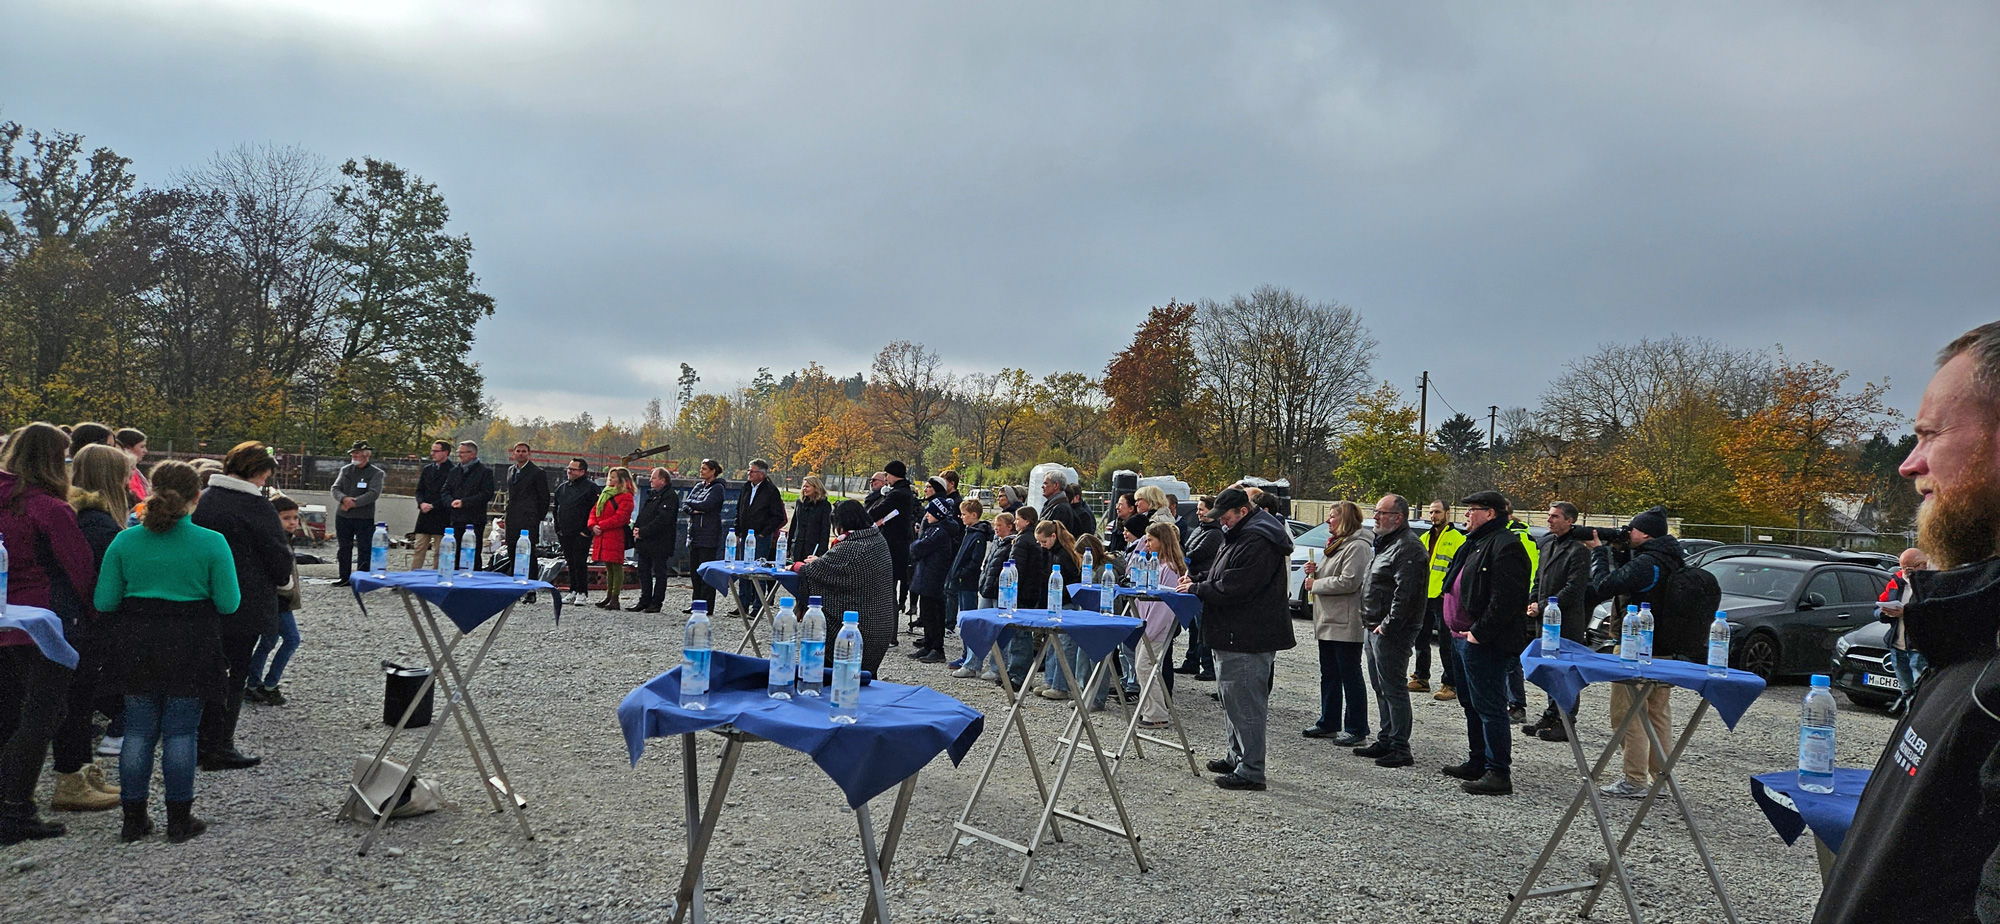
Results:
x,y
1926,824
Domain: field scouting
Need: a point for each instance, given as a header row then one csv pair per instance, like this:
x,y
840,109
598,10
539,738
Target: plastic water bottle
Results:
x,y
1089,567
1816,723
729,549
1552,630
847,670
1645,633
784,651
468,551
524,552
1107,593
1152,572
695,658
1110,576
750,548
1010,587
3,575
1628,636
783,556
1718,645
812,649
378,551
1055,588
447,555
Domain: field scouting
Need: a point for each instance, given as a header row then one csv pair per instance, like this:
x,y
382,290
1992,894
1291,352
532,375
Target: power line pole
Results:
x,y
1423,406
1492,415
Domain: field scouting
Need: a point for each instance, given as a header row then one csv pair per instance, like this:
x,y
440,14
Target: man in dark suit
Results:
x,y
468,491
432,516
573,502
759,507
527,504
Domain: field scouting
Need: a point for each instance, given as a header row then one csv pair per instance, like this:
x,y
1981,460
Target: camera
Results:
x,y
1616,535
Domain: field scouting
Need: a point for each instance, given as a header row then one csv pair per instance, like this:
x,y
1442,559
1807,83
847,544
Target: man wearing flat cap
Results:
x,y
355,491
1485,593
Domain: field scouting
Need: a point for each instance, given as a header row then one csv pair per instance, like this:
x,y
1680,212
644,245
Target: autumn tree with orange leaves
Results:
x,y
1790,455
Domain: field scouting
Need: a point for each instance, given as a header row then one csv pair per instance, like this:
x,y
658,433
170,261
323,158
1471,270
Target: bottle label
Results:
x,y
694,671
1645,643
1718,653
782,669
1551,640
846,684
1816,749
812,662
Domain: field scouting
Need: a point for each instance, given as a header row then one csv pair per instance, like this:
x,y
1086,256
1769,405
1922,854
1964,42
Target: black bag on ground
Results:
x,y
1683,610
399,687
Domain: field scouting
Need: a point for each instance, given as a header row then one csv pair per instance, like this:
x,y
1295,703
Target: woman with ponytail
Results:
x,y
170,584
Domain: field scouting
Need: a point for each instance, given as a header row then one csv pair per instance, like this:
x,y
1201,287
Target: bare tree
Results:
x,y
908,392
1601,396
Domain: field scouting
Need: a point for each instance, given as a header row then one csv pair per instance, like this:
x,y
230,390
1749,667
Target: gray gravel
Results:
x,y
1335,838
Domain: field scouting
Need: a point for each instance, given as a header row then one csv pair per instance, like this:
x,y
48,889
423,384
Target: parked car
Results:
x,y
1304,545
1862,669
1799,552
1692,547
1786,615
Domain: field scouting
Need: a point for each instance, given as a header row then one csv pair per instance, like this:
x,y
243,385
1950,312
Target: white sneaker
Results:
x,y
965,673
111,747
1623,789
990,676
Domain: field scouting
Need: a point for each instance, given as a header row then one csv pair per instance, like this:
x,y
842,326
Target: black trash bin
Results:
x,y
400,685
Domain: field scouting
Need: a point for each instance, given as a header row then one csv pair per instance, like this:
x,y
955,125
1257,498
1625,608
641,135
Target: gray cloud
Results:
x,y
763,185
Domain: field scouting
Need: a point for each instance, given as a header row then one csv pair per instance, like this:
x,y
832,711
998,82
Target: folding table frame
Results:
x,y
766,588
689,903
1079,695
458,707
1638,689
1133,736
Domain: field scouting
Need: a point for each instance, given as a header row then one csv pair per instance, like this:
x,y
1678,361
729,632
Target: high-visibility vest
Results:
x,y
1449,538
1534,553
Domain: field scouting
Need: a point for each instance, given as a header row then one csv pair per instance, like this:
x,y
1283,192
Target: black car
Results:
x,y
1785,615
1862,669
1797,552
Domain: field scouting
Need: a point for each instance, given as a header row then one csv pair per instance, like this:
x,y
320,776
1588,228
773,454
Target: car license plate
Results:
x,y
1885,681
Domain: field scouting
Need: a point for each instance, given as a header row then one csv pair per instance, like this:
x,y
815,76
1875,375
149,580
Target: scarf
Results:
x,y
604,497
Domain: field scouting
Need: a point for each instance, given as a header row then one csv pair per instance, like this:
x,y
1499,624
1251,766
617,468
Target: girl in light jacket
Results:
x,y
1163,539
1336,598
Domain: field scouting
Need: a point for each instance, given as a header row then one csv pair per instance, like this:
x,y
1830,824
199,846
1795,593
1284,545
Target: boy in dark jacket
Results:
x,y
930,561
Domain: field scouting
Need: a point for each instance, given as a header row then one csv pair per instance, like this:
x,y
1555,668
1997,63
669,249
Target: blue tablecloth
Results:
x,y
901,727
1792,810
1185,606
1579,667
1095,634
45,628
718,574
472,597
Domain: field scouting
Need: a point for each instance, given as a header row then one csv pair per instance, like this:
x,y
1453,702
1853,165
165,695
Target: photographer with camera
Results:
x,y
1635,562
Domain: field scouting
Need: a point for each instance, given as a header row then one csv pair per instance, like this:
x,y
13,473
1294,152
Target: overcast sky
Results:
x,y
1493,186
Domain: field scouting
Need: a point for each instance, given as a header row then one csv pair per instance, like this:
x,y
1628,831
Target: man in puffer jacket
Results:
x,y
1247,620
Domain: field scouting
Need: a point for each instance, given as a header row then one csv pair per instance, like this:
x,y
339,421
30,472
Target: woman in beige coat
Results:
x,y
1336,601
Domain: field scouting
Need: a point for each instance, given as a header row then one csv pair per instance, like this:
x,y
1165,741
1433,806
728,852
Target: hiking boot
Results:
x,y
1535,728
18,822
1467,771
94,775
253,694
1216,765
75,794
1419,684
181,823
1553,732
1494,783
137,823
1445,693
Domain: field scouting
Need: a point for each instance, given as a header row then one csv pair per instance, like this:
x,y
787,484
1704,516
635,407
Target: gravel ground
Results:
x,y
1335,838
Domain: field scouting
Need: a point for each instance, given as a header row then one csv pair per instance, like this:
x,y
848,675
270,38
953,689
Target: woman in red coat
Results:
x,y
607,522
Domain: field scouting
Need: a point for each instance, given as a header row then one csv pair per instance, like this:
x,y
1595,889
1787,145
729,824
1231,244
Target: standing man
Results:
x,y
432,516
1564,576
655,527
1908,662
527,503
1392,606
1055,502
1486,591
574,499
1247,621
894,511
355,491
1637,574
1440,542
469,489
1922,844
1086,519
759,507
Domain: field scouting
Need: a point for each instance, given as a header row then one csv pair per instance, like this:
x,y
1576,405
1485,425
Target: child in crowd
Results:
x,y
279,645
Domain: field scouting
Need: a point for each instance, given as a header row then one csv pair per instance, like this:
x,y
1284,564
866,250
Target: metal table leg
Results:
x,y
1012,725
1586,792
1079,700
758,586
878,864
704,831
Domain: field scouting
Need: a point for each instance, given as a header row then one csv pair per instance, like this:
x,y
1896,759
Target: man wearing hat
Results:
x,y
1636,572
355,491
1485,593
894,511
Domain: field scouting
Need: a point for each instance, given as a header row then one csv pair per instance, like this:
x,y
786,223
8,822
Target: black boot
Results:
x,y
181,823
18,822
138,824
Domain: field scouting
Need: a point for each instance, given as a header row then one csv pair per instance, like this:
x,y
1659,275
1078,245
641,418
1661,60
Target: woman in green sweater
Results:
x,y
169,584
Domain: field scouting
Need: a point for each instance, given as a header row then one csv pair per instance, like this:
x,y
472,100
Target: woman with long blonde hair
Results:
x,y
608,521
1163,541
97,492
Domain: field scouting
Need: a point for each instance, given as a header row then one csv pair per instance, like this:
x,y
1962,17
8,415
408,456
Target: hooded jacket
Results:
x,y
998,552
1922,845
931,555
968,565
1637,579
1243,600
239,511
30,523
1488,579
703,505
1398,585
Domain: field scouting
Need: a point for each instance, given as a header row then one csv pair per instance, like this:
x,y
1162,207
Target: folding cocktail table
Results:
x,y
469,601
1793,810
900,730
1185,608
765,581
1564,679
1098,636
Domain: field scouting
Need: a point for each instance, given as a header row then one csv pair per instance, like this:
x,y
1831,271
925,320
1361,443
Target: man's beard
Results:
x,y
1962,526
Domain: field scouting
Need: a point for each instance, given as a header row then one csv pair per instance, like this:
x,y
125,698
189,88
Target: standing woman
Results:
x,y
235,506
98,482
607,523
133,443
703,506
812,521
655,527
1336,597
170,584
40,531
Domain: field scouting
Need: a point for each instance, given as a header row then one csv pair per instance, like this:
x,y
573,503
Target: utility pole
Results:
x,y
1423,406
1492,415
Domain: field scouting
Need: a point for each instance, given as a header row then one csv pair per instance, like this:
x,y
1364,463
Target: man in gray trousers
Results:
x,y
355,491
1247,620
1392,609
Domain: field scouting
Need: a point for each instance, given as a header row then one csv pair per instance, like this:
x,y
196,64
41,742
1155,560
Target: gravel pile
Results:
x,y
1335,838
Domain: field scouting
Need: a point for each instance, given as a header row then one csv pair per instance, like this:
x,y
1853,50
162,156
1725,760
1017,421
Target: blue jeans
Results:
x,y
285,641
969,600
1910,665
171,722
1343,693
1482,691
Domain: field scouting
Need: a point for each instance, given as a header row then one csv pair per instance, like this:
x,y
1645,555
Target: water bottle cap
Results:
x,y
1552,601
1631,609
850,616
1722,614
812,601
1820,680
700,608
524,534
450,531
786,602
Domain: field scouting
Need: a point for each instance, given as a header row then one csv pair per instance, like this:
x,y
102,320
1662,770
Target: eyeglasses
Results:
x,y
1388,513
